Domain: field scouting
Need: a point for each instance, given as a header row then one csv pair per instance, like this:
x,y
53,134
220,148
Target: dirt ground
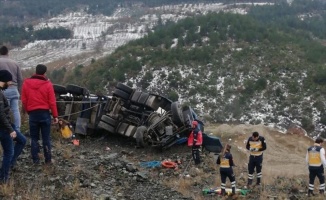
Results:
x,y
285,154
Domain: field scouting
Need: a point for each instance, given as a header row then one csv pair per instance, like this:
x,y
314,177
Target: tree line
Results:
x,y
19,35
156,48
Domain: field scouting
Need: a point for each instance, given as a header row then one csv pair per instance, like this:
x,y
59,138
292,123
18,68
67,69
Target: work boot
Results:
x,y
310,193
249,182
258,181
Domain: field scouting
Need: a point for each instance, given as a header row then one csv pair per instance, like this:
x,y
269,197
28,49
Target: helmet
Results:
x,y
194,123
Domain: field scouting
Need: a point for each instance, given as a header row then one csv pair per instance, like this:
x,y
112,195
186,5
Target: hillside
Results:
x,y
230,67
257,63
108,167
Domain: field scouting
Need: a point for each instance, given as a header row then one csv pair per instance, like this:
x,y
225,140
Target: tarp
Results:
x,y
212,143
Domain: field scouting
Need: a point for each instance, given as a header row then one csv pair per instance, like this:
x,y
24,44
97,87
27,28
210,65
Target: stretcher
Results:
x,y
217,191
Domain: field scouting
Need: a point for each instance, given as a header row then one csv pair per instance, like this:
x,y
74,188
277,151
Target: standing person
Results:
x,y
38,99
225,160
315,159
7,133
20,139
195,140
13,91
256,145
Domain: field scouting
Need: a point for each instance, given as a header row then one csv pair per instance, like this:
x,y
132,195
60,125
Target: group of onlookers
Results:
x,y
38,101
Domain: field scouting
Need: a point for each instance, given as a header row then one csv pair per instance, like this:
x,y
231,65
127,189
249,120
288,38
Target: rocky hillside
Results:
x,y
258,66
108,167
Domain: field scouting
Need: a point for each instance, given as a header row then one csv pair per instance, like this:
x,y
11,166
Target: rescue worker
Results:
x,y
225,160
315,159
195,140
256,145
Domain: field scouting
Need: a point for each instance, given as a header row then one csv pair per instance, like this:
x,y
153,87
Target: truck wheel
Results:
x,y
124,88
122,94
177,116
109,120
135,96
106,127
143,97
130,132
187,116
140,133
59,89
76,90
122,127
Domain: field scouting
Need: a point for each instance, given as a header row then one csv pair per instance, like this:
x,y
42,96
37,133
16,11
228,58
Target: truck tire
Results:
x,y
124,88
122,128
122,94
187,116
143,98
140,133
135,96
109,120
76,90
106,127
59,89
177,116
131,130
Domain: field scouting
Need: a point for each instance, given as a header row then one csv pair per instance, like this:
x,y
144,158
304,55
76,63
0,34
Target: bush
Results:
x,y
173,95
307,124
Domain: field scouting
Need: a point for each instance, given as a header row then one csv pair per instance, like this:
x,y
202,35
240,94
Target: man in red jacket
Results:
x,y
195,140
38,99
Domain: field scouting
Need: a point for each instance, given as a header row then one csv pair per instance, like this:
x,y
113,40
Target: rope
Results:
x,y
79,111
80,102
184,172
150,164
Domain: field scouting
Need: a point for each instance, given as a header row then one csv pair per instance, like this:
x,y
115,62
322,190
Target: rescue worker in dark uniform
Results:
x,y
256,145
315,159
195,140
225,160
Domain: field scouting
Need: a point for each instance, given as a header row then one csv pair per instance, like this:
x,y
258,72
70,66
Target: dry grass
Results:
x,y
7,190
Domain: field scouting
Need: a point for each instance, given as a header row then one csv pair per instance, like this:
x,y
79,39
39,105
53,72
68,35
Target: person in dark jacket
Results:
x,y
225,160
7,133
20,139
256,145
315,159
38,98
195,140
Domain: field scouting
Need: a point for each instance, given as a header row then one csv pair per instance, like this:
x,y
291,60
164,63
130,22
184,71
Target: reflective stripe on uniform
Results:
x,y
250,176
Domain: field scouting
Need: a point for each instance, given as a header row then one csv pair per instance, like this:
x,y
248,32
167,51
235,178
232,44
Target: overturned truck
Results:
x,y
151,119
